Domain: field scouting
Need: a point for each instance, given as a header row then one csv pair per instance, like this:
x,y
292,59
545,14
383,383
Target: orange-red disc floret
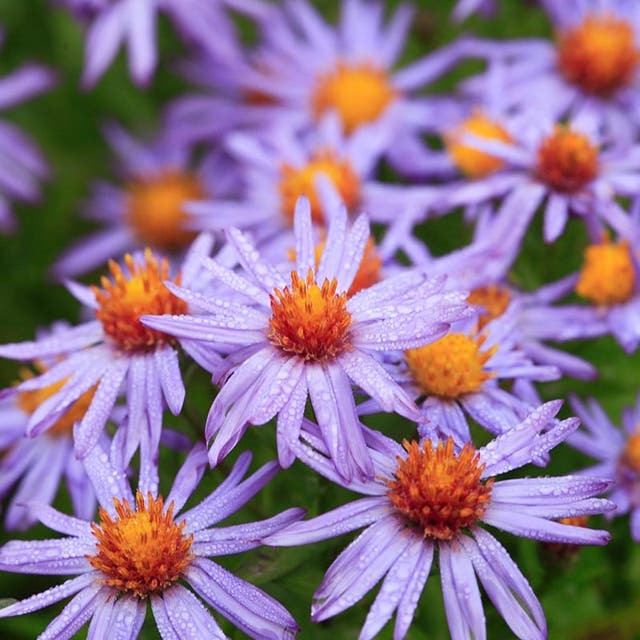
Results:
x,y
494,300
438,491
155,208
630,457
608,275
567,160
309,320
301,181
142,551
123,300
359,93
599,55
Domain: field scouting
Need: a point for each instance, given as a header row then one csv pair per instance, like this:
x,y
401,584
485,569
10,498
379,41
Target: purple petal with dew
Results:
x,y
343,590
83,497
141,40
108,481
61,342
47,557
188,477
136,403
165,628
547,491
60,522
586,507
334,246
527,526
397,333
247,607
87,432
102,42
393,588
493,416
148,480
242,537
237,282
50,596
168,369
289,423
344,519
507,588
303,230
121,621
353,252
218,506
188,616
155,407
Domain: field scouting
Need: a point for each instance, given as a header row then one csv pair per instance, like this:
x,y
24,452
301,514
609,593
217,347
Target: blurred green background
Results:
x,y
593,595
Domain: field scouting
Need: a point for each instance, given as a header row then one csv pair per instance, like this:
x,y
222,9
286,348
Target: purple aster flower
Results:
x,y
22,166
568,166
147,210
117,353
431,497
592,67
617,451
141,551
305,338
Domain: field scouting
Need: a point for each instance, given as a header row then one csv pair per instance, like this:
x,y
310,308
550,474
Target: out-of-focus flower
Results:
x,y
304,337
432,497
140,550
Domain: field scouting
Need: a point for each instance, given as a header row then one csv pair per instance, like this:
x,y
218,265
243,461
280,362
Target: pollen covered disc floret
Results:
x,y
599,55
567,160
155,207
608,275
359,93
310,320
301,181
142,551
470,161
451,366
439,491
125,299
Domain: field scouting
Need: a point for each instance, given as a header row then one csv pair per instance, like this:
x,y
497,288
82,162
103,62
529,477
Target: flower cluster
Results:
x,y
273,253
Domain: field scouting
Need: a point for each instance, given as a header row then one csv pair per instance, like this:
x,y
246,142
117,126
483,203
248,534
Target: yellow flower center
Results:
x,y
607,276
155,208
567,160
450,366
359,93
600,55
470,161
29,401
630,457
494,300
440,491
123,300
301,181
308,320
142,551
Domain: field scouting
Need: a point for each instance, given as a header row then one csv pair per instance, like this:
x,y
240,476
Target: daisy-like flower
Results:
x,y
141,551
568,167
36,466
432,497
617,451
22,166
148,208
305,338
115,352
593,66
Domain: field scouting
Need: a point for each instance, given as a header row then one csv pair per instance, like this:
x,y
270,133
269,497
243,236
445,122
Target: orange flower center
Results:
x,y
630,457
155,208
29,401
451,366
359,93
494,301
308,320
567,160
607,276
470,161
143,551
440,491
123,300
600,55
301,181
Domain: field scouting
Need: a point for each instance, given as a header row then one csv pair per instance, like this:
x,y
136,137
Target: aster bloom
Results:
x,y
304,337
148,208
567,167
592,67
115,352
617,451
432,497
141,550
22,166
